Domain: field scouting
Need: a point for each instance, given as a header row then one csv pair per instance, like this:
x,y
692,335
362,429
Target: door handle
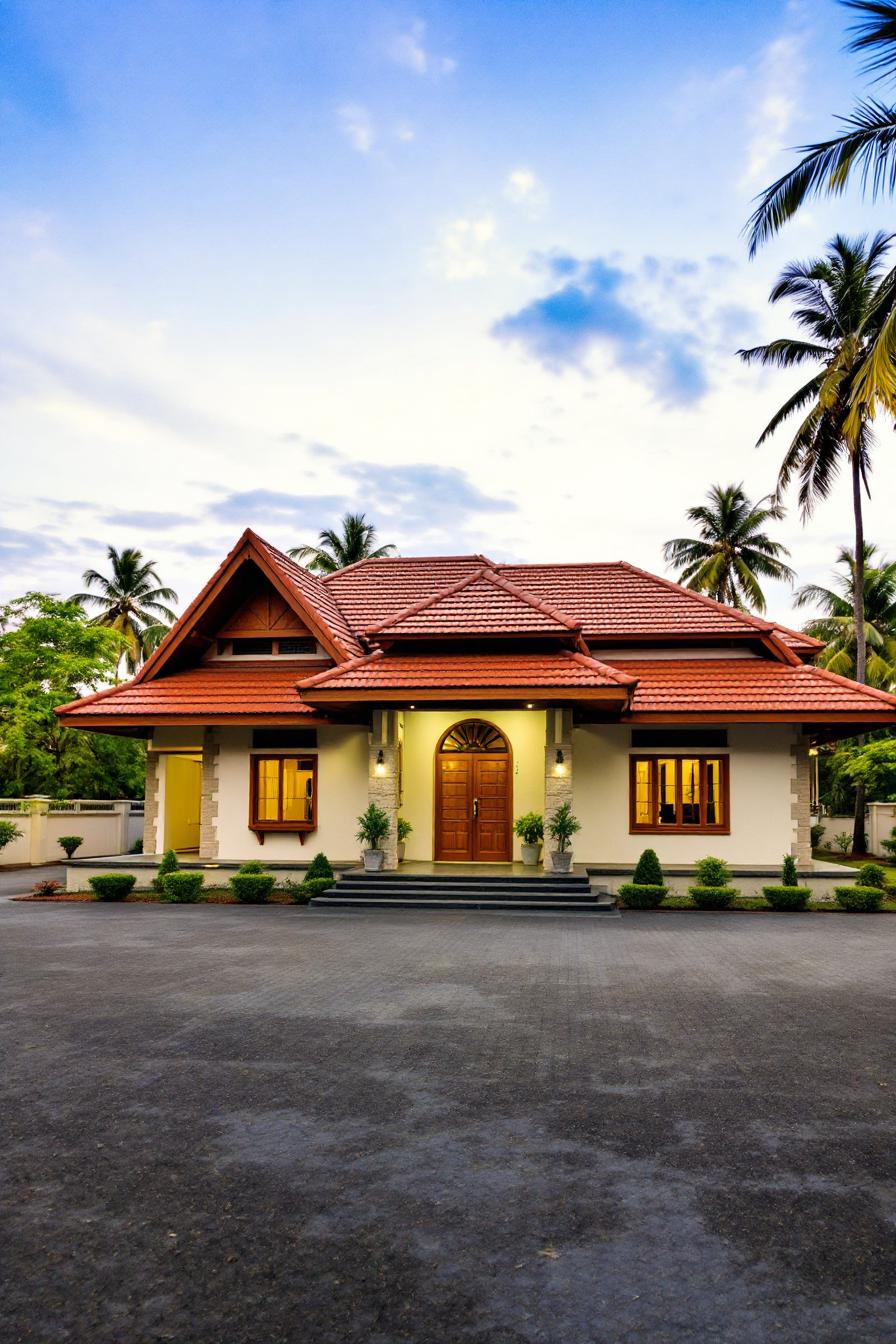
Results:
x,y
475,807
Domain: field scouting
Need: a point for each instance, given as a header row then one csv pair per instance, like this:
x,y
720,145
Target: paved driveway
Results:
x,y
265,1125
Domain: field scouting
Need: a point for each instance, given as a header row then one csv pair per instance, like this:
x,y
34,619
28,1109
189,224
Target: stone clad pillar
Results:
x,y
151,839
383,776
557,774
208,809
800,789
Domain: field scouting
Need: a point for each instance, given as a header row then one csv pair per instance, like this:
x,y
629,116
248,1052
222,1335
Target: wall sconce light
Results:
x,y
380,767
559,766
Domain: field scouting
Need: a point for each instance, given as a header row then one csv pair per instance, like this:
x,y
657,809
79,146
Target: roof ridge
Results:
x,y
358,661
538,603
606,669
391,559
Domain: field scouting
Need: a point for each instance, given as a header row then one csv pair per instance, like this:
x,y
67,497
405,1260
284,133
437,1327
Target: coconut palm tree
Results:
x,y
836,624
732,551
133,602
866,148
334,551
843,302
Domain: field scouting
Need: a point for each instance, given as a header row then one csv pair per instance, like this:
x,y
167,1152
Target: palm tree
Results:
x,y
866,147
836,624
357,542
132,601
843,303
732,550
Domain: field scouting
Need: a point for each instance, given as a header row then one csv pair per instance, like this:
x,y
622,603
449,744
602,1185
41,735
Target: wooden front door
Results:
x,y
473,795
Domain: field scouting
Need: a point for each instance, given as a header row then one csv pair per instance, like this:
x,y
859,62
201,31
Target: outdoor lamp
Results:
x,y
559,767
380,766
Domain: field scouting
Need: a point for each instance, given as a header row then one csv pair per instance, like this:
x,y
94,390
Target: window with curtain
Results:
x,y
679,793
284,793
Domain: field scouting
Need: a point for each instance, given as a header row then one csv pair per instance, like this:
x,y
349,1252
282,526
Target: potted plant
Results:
x,y
561,828
530,829
404,830
373,827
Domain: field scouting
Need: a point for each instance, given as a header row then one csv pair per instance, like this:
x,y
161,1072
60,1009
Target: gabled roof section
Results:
x,y
372,591
304,592
483,603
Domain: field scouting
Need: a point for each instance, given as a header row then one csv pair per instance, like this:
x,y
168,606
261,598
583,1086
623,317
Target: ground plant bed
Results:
x,y
146,896
759,903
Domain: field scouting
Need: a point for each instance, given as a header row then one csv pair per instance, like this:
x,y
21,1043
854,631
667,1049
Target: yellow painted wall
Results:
x,y
525,731
183,798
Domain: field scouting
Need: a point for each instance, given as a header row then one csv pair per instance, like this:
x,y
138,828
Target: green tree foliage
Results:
x,y
357,541
837,624
732,552
132,601
50,654
870,764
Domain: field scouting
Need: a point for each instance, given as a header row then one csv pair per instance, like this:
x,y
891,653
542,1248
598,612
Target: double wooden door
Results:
x,y
473,802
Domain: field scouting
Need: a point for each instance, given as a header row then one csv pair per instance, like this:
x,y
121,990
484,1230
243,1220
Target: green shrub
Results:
x,y
320,865
252,866
112,886
9,831
136,847
789,874
816,832
843,841
252,888
314,886
888,845
404,829
529,828
168,865
648,872
872,875
787,897
373,827
70,843
47,887
713,897
712,872
182,888
859,899
562,826
641,895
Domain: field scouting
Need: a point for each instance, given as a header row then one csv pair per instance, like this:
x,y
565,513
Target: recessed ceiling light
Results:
x,y
530,706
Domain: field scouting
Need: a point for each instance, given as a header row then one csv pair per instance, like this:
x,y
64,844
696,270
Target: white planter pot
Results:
x,y
561,861
530,854
401,847
373,860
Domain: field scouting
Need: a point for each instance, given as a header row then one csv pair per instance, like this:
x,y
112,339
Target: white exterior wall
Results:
x,y
762,784
342,795
524,730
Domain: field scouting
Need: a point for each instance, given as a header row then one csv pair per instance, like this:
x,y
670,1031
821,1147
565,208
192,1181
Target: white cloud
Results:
x,y
405,133
523,188
781,72
461,252
357,127
408,49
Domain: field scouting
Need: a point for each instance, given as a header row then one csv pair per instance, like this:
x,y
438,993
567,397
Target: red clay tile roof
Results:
x,y
382,670
750,686
483,603
217,688
372,591
312,589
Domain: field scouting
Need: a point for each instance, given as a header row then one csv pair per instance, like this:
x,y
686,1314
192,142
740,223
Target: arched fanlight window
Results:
x,y
474,735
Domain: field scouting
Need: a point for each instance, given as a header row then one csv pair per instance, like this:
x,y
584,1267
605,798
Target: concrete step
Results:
x,y
447,890
589,907
552,882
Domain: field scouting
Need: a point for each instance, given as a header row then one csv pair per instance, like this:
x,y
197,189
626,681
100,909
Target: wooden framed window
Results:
x,y
679,793
283,794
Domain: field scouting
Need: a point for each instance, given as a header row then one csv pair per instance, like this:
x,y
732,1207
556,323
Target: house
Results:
x,y
461,693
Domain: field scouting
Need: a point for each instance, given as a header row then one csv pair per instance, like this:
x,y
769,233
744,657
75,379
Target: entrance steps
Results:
x,y
551,894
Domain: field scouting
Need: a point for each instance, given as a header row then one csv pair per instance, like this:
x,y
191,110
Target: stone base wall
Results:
x,y
151,838
208,813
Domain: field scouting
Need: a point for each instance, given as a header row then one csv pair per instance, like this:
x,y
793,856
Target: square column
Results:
x,y
383,776
800,790
557,773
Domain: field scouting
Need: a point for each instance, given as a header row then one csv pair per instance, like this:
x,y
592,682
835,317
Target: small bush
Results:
x,y
529,828
252,866
872,875
864,900
712,872
890,845
315,885
320,865
816,832
168,865
252,888
297,891
843,841
182,888
789,875
136,847
9,831
112,886
641,895
712,897
48,887
648,872
404,829
70,843
787,897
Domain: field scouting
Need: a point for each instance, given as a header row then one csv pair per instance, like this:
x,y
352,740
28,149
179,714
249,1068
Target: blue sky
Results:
x,y
474,268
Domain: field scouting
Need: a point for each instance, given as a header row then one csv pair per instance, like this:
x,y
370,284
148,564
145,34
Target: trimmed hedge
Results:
x,y
252,888
871,875
252,866
182,888
112,886
712,898
641,895
712,872
787,897
301,892
168,865
648,872
859,900
320,866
